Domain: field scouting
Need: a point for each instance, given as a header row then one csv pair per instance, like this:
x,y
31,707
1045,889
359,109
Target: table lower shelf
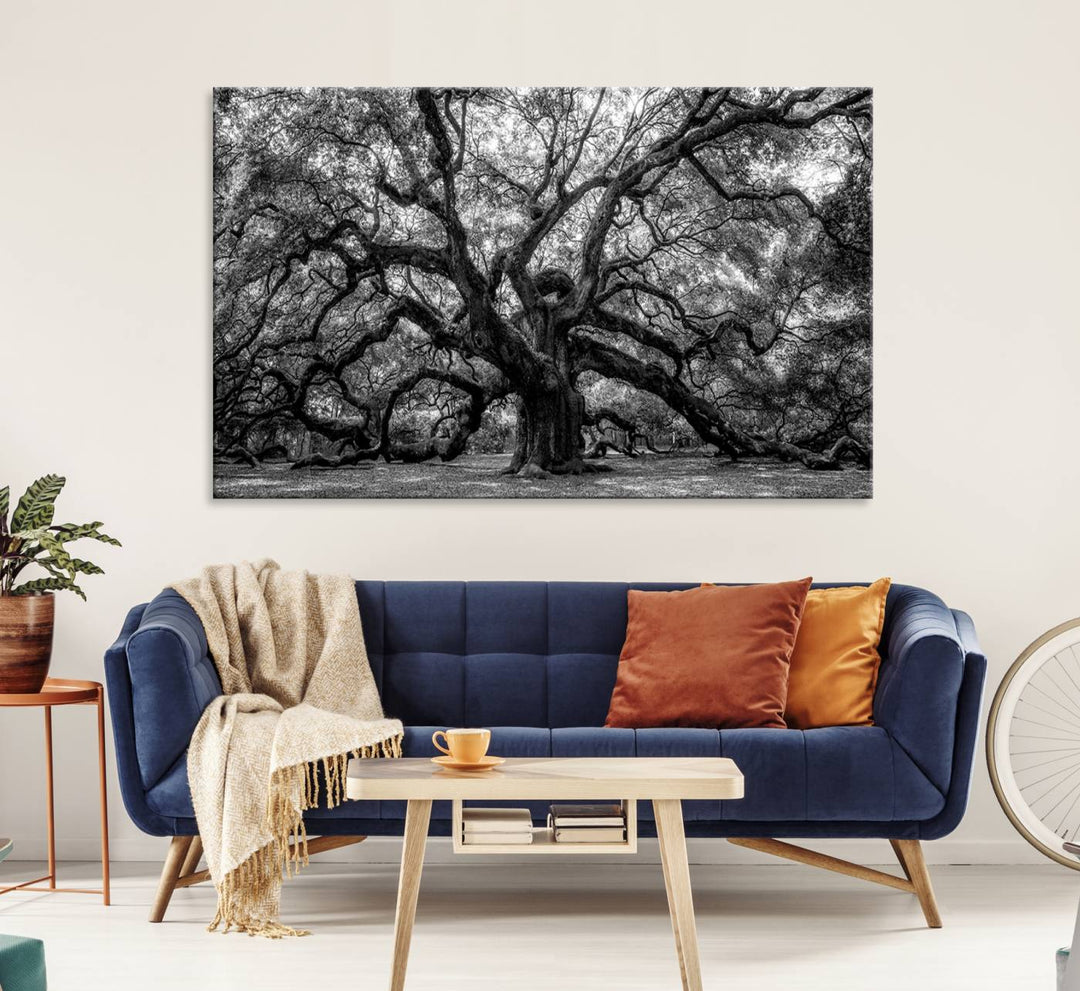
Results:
x,y
543,841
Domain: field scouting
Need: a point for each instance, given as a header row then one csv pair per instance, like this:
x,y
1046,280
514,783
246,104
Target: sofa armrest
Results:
x,y
172,682
968,721
965,628
118,683
919,683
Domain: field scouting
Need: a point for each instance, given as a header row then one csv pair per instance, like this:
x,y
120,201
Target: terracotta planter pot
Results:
x,y
26,635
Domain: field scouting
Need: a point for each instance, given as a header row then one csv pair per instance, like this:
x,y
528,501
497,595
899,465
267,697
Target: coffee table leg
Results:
x,y
669,830
664,859
417,817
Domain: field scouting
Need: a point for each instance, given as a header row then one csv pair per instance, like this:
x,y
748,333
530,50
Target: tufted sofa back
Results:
x,y
496,653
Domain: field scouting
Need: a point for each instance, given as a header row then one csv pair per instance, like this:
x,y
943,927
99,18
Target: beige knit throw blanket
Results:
x,y
299,698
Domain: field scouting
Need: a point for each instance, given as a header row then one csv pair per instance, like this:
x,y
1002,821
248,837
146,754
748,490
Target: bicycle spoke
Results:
x,y
1050,750
1052,774
1042,763
1067,814
1069,724
1050,812
1065,671
1054,700
1042,725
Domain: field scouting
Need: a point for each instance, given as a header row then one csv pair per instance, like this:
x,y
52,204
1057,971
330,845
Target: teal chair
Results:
x,y
22,961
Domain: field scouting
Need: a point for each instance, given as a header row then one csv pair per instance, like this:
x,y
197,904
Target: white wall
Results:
x,y
105,320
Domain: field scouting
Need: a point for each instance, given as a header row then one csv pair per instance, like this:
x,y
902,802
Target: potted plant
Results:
x,y
26,610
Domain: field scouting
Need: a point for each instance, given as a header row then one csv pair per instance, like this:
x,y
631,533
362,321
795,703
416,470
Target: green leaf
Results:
x,y
44,585
72,531
57,583
85,567
60,557
68,532
5,500
52,567
36,507
30,535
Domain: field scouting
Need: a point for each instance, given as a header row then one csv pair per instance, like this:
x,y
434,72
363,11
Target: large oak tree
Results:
x,y
576,254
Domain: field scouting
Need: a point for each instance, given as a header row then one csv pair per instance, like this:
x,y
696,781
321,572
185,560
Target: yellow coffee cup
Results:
x,y
467,746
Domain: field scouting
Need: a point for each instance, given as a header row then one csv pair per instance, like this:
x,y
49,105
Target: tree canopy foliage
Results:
x,y
401,274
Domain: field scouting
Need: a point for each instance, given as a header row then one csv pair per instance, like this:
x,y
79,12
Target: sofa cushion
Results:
x,y
824,774
708,656
681,742
579,688
506,689
834,665
172,797
840,774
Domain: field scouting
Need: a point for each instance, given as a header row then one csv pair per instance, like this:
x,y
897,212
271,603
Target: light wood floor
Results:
x,y
560,925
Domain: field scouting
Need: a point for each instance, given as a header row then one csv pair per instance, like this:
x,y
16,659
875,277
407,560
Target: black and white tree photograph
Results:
x,y
547,292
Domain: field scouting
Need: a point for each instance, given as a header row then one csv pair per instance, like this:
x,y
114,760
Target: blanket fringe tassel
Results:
x,y
246,892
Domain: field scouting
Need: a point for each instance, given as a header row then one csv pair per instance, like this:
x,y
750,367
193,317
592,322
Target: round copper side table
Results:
x,y
64,691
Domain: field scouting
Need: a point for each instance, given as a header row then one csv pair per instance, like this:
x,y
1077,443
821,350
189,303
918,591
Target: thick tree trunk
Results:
x,y
551,412
553,429
549,439
521,441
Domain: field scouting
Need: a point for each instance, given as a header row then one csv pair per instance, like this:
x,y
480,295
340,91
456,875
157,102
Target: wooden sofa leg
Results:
x,y
194,855
174,862
910,855
916,878
789,851
895,844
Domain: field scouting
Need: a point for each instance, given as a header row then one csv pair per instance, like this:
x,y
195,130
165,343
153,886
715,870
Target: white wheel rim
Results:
x,y
1035,743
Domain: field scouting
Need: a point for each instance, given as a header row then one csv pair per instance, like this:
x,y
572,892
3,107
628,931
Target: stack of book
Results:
x,y
588,823
495,827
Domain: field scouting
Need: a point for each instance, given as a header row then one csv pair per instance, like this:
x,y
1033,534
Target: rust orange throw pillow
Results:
x,y
834,666
713,657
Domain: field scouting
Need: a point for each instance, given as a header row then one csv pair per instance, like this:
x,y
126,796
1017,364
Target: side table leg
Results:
x,y
106,897
50,816
417,818
669,828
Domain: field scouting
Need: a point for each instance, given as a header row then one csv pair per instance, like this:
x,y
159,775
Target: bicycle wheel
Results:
x,y
1033,743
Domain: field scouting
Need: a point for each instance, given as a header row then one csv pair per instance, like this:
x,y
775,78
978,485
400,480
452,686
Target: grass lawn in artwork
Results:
x,y
478,476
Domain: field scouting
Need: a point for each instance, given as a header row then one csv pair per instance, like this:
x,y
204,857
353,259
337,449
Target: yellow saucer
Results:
x,y
483,764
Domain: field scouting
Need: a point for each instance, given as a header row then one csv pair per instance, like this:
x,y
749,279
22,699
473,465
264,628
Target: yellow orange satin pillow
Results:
x,y
834,665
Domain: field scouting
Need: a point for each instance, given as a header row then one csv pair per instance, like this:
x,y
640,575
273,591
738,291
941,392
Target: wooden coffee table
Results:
x,y
665,781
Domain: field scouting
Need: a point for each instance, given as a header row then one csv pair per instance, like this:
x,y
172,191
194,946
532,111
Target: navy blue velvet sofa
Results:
x,y
536,662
